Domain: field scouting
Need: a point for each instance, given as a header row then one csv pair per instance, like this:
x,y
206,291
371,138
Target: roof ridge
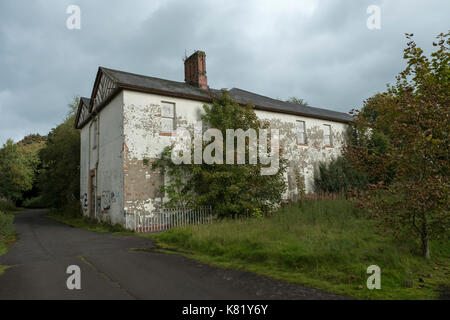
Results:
x,y
257,94
290,103
142,75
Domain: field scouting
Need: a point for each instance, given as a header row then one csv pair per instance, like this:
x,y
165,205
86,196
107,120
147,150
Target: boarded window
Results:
x,y
327,138
301,132
167,117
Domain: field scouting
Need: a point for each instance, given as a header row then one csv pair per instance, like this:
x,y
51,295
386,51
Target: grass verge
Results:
x,y
7,232
86,223
325,244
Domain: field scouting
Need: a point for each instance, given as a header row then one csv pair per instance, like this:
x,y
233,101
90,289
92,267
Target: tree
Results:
x,y
299,101
414,116
338,176
29,147
368,141
16,175
59,180
233,189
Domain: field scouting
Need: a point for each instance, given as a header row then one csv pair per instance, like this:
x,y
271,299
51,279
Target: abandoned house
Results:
x,y
129,119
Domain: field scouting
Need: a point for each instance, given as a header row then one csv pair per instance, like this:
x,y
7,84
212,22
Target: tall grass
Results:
x,y
6,231
6,226
322,243
72,215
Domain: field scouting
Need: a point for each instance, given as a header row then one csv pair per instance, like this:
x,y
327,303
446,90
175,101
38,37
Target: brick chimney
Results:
x,y
195,70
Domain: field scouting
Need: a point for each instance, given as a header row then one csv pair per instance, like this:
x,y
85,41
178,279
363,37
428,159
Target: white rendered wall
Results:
x,y
143,141
109,167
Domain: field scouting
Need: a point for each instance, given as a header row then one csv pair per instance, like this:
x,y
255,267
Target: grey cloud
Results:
x,y
317,50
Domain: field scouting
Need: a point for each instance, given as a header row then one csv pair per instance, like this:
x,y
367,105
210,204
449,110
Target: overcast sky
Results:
x,y
318,50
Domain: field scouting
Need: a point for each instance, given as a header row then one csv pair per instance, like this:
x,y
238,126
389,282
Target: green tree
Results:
x,y
368,141
16,175
29,147
299,101
338,176
59,180
233,190
414,114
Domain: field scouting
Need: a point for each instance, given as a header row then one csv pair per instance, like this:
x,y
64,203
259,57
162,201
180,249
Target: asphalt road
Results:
x,y
110,270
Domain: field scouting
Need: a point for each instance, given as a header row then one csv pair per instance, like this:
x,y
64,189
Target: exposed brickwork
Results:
x,y
195,70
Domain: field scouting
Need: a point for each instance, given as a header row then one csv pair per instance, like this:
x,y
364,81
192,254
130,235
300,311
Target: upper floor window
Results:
x,y
167,117
327,137
301,132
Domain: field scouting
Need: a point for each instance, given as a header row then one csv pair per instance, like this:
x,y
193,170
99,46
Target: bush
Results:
x,y
232,189
337,176
36,202
71,209
7,205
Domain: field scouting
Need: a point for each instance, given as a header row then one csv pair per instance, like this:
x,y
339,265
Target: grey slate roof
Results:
x,y
243,96
138,82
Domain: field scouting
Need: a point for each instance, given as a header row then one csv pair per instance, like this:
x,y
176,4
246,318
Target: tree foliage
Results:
x,y
29,147
232,189
338,176
59,180
403,142
16,174
299,101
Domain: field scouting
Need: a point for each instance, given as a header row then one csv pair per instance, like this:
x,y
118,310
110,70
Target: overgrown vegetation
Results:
x,y
16,174
7,232
59,180
327,244
401,140
338,176
7,206
35,203
232,189
71,215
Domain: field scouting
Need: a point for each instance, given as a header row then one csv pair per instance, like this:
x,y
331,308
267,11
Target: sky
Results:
x,y
319,50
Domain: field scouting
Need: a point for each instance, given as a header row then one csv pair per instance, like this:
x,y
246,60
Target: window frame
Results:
x,y
164,132
305,137
330,135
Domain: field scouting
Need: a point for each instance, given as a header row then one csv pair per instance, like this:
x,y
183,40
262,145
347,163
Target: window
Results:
x,y
167,117
301,132
327,139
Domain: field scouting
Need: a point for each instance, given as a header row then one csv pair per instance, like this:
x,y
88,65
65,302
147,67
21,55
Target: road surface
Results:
x,y
110,270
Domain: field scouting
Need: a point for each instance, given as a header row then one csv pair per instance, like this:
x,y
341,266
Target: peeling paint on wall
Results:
x,y
130,142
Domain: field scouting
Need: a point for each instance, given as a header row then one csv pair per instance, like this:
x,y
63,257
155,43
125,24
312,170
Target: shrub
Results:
x,y
337,176
36,202
7,205
72,209
232,189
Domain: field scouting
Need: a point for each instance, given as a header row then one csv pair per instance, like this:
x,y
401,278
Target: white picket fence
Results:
x,y
167,218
